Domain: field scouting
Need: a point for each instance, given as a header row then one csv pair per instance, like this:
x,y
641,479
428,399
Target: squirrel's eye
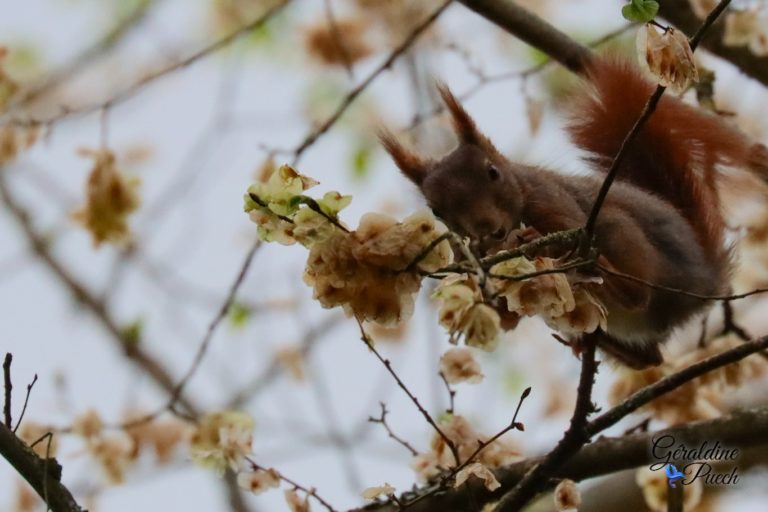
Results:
x,y
499,234
493,172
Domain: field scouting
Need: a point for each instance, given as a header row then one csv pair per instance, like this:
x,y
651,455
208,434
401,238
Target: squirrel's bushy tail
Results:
x,y
675,153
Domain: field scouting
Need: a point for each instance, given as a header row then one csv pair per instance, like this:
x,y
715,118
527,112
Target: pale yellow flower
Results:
x,y
258,481
115,453
371,493
88,424
459,365
221,439
481,326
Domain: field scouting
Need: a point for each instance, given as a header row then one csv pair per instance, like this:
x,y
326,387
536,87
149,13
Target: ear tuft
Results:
x,y
463,124
412,165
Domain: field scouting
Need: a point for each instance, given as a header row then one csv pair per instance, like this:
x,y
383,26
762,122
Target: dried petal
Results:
x,y
478,470
567,496
481,326
459,365
110,198
295,503
341,44
371,493
258,481
667,56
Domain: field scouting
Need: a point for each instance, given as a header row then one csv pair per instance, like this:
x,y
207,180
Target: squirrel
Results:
x,y
661,221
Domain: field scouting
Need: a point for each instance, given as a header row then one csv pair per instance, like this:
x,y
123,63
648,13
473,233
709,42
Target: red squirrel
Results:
x,y
661,221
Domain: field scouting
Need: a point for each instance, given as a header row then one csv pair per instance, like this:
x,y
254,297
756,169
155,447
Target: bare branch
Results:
x,y
382,420
369,343
741,429
674,381
132,350
534,31
352,95
43,475
26,402
574,438
137,86
8,386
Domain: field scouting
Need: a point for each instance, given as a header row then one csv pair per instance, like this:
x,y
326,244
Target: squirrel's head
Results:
x,y
473,188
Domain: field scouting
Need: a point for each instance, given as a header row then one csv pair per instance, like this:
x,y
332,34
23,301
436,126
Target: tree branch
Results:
x,y
352,95
33,468
533,30
574,438
603,457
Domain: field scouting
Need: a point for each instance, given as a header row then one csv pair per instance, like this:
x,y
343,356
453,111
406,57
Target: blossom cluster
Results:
x,y
527,288
223,440
465,439
372,272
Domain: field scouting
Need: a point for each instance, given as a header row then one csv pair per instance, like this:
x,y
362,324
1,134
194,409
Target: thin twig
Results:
x,y
176,392
521,74
451,393
337,37
309,491
8,389
481,445
369,343
352,95
382,420
215,322
680,291
425,252
137,86
41,247
26,401
109,40
648,109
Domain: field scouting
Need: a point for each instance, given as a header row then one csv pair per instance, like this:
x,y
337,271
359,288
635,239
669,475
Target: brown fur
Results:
x,y
661,221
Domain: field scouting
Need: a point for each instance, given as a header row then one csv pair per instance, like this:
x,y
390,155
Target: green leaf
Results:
x,y
641,11
361,160
132,333
239,314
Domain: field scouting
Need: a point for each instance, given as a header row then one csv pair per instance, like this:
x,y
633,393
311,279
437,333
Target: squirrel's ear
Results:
x,y
413,166
463,124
